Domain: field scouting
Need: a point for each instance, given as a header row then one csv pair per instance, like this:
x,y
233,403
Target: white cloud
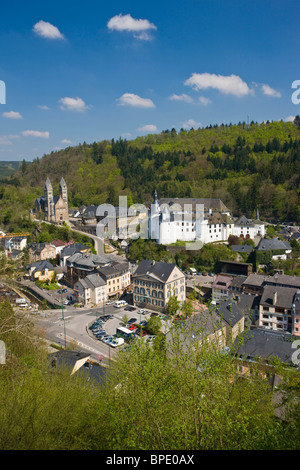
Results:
x,y
43,135
127,23
228,85
44,107
73,104
204,101
148,128
183,97
143,36
135,100
47,30
267,90
289,119
12,115
66,141
191,124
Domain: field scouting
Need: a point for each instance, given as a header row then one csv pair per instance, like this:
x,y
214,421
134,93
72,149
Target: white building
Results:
x,y
248,228
203,219
16,243
90,290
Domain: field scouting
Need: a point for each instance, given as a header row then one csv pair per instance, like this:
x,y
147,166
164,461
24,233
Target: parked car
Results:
x,y
132,327
110,302
129,309
107,338
100,333
140,332
143,323
132,320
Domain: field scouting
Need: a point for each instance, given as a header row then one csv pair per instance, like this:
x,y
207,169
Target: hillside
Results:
x,y
247,166
8,169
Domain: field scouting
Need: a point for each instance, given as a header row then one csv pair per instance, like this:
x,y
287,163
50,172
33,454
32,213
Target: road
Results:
x,y
98,242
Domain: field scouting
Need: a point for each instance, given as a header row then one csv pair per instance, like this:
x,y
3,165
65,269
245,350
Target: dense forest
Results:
x,y
248,166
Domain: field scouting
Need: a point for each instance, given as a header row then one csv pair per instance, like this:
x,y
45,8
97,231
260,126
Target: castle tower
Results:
x,y
63,191
154,222
49,202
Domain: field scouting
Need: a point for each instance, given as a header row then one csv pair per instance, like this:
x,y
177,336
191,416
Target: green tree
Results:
x,y
173,305
154,325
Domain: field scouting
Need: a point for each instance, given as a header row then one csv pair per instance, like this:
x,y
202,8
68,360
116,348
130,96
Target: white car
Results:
x,y
116,342
110,302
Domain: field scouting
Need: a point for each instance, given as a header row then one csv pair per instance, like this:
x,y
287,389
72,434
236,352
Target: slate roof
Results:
x,y
74,248
266,244
266,344
159,269
95,280
242,248
285,296
87,260
244,221
113,270
39,266
256,280
247,303
230,312
209,203
284,280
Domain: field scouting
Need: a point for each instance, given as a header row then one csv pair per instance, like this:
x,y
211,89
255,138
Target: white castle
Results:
x,y
198,219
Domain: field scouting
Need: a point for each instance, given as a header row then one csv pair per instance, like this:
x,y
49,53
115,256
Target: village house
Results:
x,y
221,288
117,278
155,281
42,271
41,251
90,290
79,265
277,309
70,249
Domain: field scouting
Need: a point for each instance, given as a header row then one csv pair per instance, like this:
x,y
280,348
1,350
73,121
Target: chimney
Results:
x,y
153,262
274,298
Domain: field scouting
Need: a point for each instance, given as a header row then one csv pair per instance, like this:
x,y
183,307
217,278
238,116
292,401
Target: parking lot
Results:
x,y
104,327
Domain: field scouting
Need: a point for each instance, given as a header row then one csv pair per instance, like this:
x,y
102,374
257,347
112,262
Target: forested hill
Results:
x,y
247,166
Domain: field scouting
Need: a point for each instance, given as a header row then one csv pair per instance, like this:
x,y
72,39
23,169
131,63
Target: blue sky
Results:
x,y
88,71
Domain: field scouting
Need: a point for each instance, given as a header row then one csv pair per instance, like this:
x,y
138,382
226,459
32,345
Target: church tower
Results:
x,y
49,202
63,191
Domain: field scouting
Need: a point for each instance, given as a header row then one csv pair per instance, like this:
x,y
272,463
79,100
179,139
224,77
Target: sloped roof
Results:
x,y
159,269
242,248
266,345
284,296
209,203
40,266
266,244
74,248
113,269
